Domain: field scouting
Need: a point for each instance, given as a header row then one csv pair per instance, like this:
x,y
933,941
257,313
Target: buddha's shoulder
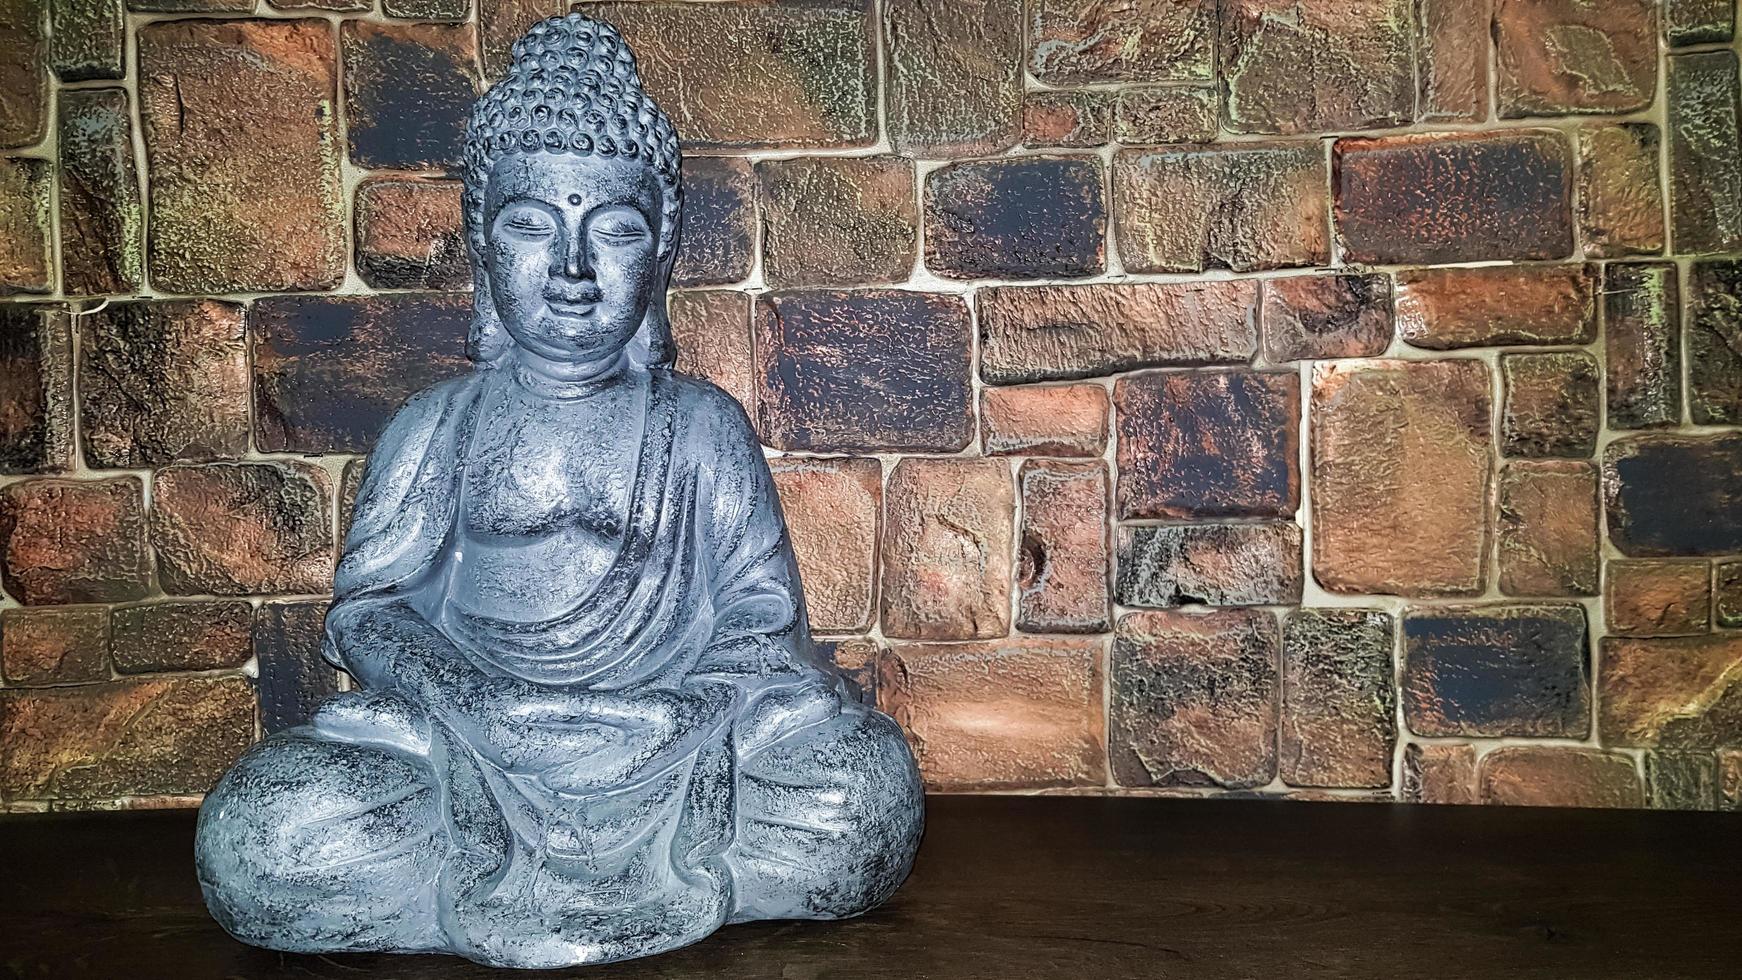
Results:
x,y
702,402
423,412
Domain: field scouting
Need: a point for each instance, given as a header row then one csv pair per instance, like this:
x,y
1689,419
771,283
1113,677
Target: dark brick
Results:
x,y
192,6
1687,22
1727,594
1548,541
1681,780
1049,333
163,380
1207,445
502,22
1552,407
1194,699
26,226
330,370
1555,57
1211,564
1063,557
1620,190
335,5
1497,306
243,528
863,370
1158,114
1452,62
1022,218
1241,207
1044,420
954,82
719,222
1327,316
1715,342
87,40
182,634
48,645
101,217
409,234
1496,670
1674,495
1339,707
1454,197
24,59
36,388
242,146
712,331
427,9
1307,66
1076,42
1675,693
833,511
1658,598
294,680
68,541
947,538
408,92
1531,775
1705,152
1642,344
835,220
1067,119
1437,772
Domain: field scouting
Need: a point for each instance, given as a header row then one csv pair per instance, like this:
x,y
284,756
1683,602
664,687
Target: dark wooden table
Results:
x,y
1045,887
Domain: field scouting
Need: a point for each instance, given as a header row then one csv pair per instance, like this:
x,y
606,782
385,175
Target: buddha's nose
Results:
x,y
577,264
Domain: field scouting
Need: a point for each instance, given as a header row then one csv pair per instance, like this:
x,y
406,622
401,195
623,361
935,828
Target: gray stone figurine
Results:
x,y
589,721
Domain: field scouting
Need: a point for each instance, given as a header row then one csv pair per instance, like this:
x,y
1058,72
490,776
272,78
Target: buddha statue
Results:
x,y
588,722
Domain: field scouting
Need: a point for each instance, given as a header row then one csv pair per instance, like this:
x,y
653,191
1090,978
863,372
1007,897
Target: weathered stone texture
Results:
x,y
408,234
1675,692
1548,541
1555,57
1727,594
1045,333
1339,708
1531,775
1241,207
182,634
1209,564
1326,316
1075,42
712,331
1658,598
1494,306
1044,420
26,226
1194,699
954,82
87,39
1021,218
427,9
1063,557
947,545
1401,470
1308,66
1197,445
1670,495
163,380
47,645
408,92
834,220
66,541
1620,190
1705,152
1452,60
1552,406
294,680
719,222
1496,670
101,217
1438,772
24,60
1154,115
833,511
243,528
1715,342
1067,119
1687,22
1681,780
1642,344
36,378
1454,197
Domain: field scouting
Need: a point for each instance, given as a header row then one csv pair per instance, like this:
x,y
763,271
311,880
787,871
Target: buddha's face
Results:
x,y
571,251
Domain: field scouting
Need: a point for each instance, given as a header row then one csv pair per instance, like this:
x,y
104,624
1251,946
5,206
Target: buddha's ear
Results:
x,y
653,345
487,341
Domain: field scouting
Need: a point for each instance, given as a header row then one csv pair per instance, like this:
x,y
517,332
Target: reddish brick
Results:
x,y
1674,495
1454,197
294,680
1327,316
1158,114
36,398
87,39
1642,344
1681,780
1687,22
1552,405
1727,594
1401,470
1307,66
330,370
1436,772
1548,543
1658,598
1047,333
67,541
954,83
1194,699
1062,570
947,543
833,509
182,634
863,370
54,645
26,225
408,92
1067,119
1620,190
427,9
1339,708
1493,306
1530,775
1196,445
1676,692
1556,57
719,222
1241,207
409,236
712,331
243,528
101,217
502,22
831,220
1212,564
1451,43
1076,42
1715,342
1044,420
1021,218
1011,714
24,58
1496,670
1705,152
163,380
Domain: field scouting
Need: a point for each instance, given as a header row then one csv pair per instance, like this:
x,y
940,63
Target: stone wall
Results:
x,y
1285,398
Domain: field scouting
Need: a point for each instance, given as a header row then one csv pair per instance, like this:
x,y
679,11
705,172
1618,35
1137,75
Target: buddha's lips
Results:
x,y
572,310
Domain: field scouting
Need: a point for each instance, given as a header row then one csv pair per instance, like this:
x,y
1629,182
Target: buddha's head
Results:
x,y
572,200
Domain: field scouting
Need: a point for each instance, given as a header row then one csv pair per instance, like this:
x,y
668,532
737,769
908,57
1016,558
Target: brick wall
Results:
x,y
1300,398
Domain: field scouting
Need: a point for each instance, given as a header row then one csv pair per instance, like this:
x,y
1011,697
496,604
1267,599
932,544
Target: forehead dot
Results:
x,y
575,199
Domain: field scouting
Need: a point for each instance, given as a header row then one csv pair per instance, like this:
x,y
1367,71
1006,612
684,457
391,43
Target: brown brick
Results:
x,y
294,680
1044,420
427,9
1687,22
800,97
834,220
1306,66
24,51
1067,119
873,369
1061,575
1642,344
1552,405
719,222
1495,306
26,225
712,331
36,398
1681,780
1152,115
67,541
856,659
408,234
101,217
502,22
1620,190
135,737
954,76
1194,699
1076,42
1727,594
1556,57
182,634
335,5
1327,316
1547,536
1452,60
1196,445
1454,197
242,146
1658,598
1496,670
1730,780
163,380
1715,342
1531,775
54,645
243,528
1021,218
87,39
1675,692
947,549
408,92
330,370
833,509
1674,495
1339,708
1211,564
1245,207
1401,470
1049,333
1010,714
1436,772
1705,152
